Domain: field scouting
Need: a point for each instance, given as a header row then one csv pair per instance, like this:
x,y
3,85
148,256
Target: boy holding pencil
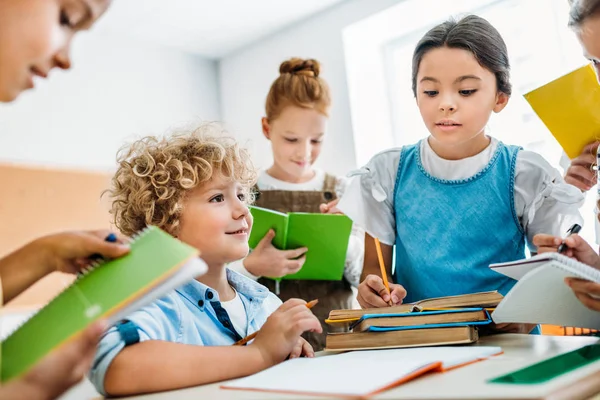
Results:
x,y
195,185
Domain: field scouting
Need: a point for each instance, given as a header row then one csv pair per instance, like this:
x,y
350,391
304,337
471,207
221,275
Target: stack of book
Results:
x,y
431,322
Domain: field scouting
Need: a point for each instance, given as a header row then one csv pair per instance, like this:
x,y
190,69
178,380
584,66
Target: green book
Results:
x,y
156,264
325,235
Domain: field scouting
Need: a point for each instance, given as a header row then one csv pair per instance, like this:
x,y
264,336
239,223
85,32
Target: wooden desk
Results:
x,y
464,383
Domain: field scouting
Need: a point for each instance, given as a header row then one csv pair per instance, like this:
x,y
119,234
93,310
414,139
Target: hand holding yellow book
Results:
x,y
570,108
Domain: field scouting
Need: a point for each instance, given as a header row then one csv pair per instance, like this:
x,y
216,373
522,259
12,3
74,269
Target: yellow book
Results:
x,y
570,108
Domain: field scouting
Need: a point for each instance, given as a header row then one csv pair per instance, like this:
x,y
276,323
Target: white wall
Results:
x,y
118,89
369,71
245,77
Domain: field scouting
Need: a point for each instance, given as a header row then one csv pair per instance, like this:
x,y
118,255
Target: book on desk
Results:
x,y
429,322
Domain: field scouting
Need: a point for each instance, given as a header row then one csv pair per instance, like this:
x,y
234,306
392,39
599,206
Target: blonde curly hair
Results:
x,y
155,174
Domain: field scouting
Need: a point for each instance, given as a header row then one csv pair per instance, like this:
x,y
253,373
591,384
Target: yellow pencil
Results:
x,y
383,273
248,338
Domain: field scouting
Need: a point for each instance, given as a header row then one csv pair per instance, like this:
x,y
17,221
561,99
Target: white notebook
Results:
x,y
541,295
359,373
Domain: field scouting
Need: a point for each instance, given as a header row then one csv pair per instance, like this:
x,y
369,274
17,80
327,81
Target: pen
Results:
x,y
248,338
112,238
572,230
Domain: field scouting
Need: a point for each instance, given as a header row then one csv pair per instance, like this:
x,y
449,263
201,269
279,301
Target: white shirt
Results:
x,y
544,203
237,314
356,243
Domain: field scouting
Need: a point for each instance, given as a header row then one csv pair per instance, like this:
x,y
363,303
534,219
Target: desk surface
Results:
x,y
468,382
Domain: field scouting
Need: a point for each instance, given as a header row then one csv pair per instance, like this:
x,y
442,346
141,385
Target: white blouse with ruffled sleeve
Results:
x,y
544,202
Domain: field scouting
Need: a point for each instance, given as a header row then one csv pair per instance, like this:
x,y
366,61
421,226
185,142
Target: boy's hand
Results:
x,y
267,260
302,349
580,173
70,251
577,248
373,294
279,336
330,208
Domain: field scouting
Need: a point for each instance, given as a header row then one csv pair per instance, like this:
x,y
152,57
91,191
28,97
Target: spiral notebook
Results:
x,y
156,264
541,296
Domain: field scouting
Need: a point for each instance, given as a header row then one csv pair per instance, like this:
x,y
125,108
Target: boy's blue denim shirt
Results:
x,y
191,314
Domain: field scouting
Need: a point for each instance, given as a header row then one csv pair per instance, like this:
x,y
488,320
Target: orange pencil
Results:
x,y
382,266
248,338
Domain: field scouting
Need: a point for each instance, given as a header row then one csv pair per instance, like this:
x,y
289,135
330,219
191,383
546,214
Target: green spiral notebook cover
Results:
x,y
156,264
325,235
551,368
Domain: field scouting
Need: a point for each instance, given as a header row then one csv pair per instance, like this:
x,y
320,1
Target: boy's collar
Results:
x,y
201,294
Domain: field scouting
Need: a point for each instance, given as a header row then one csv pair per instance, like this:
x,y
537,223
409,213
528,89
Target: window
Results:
x,y
541,47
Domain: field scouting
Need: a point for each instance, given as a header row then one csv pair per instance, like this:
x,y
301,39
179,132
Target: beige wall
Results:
x,y
36,201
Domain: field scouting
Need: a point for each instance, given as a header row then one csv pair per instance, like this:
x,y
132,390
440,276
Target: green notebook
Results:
x,y
156,264
325,235
551,368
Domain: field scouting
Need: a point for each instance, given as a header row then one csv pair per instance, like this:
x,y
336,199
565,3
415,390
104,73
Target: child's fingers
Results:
x,y
295,253
307,349
102,234
541,250
308,323
266,240
587,156
323,208
375,283
588,301
368,299
334,210
332,203
303,322
547,241
291,303
576,242
582,174
297,350
590,149
398,293
583,286
93,244
577,183
294,266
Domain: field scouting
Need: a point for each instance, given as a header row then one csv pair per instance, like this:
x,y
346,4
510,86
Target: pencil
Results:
x,y
383,273
248,338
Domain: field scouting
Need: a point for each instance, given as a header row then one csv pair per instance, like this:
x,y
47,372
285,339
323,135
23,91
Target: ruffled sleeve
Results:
x,y
544,202
368,199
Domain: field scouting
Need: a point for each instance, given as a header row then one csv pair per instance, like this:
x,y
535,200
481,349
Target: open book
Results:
x,y
156,264
359,374
541,296
481,299
568,106
326,237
